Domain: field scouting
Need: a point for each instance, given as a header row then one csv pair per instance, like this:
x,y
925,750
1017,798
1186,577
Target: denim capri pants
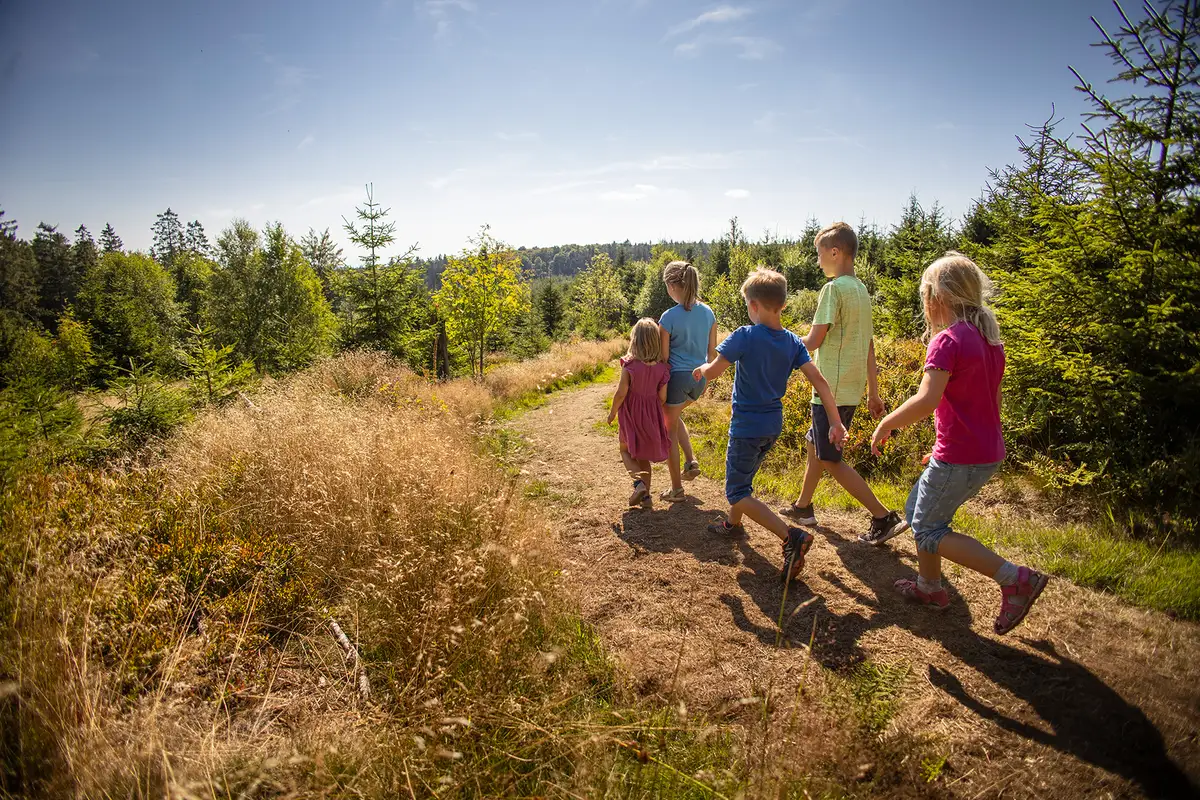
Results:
x,y
937,494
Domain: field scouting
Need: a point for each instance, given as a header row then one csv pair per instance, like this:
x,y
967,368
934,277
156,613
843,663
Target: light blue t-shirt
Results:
x,y
689,335
765,359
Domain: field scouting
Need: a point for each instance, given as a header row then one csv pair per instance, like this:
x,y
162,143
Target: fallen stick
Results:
x,y
249,403
364,685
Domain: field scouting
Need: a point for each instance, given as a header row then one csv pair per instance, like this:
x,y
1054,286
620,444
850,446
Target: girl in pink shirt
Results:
x,y
961,388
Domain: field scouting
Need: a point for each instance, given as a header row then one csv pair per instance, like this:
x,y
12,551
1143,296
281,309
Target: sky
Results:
x,y
552,121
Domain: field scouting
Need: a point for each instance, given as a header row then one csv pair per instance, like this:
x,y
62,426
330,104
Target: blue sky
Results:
x,y
553,121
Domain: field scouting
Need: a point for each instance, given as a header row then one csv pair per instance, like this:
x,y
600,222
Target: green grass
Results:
x,y
600,373
1098,555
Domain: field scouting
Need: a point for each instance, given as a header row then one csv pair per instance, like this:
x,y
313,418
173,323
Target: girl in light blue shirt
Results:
x,y
689,339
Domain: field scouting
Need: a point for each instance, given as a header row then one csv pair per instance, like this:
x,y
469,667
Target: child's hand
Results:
x,y
878,438
925,458
875,406
837,434
611,416
698,372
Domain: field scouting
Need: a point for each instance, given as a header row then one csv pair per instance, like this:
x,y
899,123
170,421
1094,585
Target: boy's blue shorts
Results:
x,y
742,460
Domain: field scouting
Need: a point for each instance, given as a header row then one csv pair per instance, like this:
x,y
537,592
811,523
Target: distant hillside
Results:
x,y
567,259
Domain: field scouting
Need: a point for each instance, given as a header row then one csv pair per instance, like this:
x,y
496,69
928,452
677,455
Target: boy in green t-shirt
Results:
x,y
843,349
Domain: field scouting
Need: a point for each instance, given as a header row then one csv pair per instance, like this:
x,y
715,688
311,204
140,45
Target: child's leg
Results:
x,y
761,513
812,477
631,465
671,413
685,439
830,459
643,466
932,503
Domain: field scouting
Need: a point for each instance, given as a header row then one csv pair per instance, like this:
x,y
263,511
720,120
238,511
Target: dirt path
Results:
x,y
1089,697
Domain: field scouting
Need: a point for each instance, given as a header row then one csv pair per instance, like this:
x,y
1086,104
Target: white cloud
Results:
x,y
738,194
305,142
720,14
641,191
443,181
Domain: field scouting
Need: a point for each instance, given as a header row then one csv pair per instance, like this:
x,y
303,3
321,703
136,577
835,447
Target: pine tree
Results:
x,y
84,252
549,307
109,241
387,306
58,275
18,274
214,377
195,240
168,238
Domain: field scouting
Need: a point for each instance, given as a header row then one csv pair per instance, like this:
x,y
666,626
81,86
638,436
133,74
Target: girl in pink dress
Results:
x,y
638,406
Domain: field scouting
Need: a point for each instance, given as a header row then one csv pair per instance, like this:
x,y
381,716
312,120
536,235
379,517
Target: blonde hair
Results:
x,y
959,285
683,274
645,341
839,235
766,286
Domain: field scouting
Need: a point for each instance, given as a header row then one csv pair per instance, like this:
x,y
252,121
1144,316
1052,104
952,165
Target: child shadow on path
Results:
x,y
673,527
1088,720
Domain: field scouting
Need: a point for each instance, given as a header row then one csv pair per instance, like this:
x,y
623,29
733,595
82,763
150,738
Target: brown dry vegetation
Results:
x,y
167,629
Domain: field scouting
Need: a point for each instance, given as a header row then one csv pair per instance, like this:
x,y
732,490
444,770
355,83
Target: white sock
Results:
x,y
1006,575
929,587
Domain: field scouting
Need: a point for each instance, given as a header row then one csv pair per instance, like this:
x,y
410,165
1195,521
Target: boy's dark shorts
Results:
x,y
818,434
742,459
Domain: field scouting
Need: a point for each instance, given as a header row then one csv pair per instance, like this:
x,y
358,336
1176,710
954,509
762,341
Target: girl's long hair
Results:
x,y
645,341
958,284
681,273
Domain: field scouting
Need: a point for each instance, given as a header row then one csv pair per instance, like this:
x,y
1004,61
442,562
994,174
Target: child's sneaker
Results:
x,y
721,527
691,470
673,495
1016,600
803,515
640,494
884,528
794,549
937,601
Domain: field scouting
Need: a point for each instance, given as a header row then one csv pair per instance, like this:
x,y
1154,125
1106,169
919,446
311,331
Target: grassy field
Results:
x,y
1097,554
168,630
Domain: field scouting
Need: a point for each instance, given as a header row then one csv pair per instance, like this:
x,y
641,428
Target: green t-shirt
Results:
x,y
845,307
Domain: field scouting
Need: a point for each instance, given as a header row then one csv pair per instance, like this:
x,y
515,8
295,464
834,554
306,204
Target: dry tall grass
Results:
x,y
166,630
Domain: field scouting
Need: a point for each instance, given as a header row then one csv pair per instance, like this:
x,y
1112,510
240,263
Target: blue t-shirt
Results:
x,y
765,359
689,335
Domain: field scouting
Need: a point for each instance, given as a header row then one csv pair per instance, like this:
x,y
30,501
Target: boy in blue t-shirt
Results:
x,y
766,353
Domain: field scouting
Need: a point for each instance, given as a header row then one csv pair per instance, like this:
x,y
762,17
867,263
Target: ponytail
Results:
x,y
683,274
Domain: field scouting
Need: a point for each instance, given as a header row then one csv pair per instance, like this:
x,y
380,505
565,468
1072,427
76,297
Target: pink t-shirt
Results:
x,y
968,418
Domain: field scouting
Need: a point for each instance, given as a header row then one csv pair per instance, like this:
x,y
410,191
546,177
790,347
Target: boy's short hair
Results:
x,y
766,286
839,235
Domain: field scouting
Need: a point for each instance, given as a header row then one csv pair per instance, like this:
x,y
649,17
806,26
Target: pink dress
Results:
x,y
643,428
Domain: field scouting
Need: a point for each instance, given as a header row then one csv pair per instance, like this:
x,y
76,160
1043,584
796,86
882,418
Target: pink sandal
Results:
x,y
938,601
1016,600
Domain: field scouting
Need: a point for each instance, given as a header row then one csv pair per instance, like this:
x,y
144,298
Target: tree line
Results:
x,y
1092,242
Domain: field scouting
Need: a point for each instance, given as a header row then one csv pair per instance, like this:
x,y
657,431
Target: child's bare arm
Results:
x,y
874,404
914,409
619,397
815,337
664,337
837,431
712,370
712,342
662,395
